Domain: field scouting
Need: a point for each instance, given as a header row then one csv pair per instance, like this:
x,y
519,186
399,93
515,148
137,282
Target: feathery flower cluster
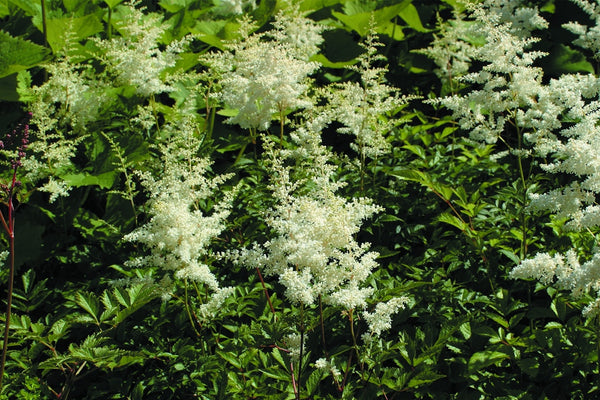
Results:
x,y
313,251
135,57
558,120
589,37
365,108
452,49
75,94
267,73
381,319
569,274
327,366
510,86
178,234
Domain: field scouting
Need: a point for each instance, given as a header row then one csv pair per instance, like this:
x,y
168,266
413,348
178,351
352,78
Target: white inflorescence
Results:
x,y
178,234
313,250
267,73
558,120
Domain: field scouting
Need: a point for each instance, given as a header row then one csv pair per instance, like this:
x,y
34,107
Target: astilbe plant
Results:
x,y
135,58
366,108
556,120
15,143
179,233
574,152
80,89
312,249
262,75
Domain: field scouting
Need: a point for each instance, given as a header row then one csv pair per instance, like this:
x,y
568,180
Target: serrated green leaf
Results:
x,y
307,5
230,358
105,180
113,3
424,377
483,359
410,15
31,8
312,383
4,11
453,220
62,32
89,303
17,54
361,22
565,60
324,61
9,88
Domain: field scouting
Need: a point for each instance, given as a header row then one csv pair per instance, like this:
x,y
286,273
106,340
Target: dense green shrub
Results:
x,y
299,200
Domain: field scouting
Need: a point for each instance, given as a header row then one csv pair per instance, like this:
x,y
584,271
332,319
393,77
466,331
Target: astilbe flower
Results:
x,y
56,144
381,319
507,88
313,251
235,7
178,234
135,58
589,37
365,108
559,121
451,50
262,74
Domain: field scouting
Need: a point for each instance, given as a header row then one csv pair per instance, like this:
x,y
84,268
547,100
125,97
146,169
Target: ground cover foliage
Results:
x,y
300,200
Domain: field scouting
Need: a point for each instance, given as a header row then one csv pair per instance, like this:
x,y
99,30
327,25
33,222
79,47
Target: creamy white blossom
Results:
x,y
313,250
557,119
568,272
381,319
179,234
263,74
366,109
135,58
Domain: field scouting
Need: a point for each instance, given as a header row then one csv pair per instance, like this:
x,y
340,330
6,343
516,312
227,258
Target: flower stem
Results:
x,y
262,281
11,277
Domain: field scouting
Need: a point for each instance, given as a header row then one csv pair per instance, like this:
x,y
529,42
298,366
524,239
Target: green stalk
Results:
x,y
187,309
524,194
355,344
11,279
322,326
109,24
298,381
10,229
44,25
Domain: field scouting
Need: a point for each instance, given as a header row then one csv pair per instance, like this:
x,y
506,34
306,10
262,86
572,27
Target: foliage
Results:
x,y
300,200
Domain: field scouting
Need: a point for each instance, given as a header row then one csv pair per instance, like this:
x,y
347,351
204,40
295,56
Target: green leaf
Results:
x,y
174,6
361,22
410,15
483,359
564,60
63,32
4,11
31,8
312,383
453,220
424,377
309,5
230,358
89,303
325,62
8,88
17,54
105,180
113,3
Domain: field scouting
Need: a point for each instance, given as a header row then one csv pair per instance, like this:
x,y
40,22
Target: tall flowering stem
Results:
x,y
19,138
